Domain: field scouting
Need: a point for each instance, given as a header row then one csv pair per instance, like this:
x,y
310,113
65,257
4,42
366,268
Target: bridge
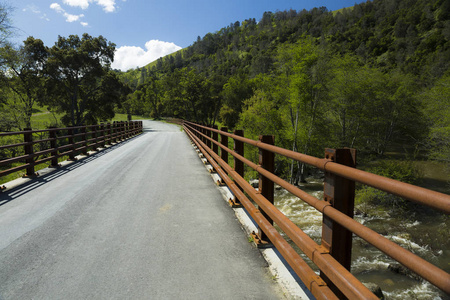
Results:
x,y
141,218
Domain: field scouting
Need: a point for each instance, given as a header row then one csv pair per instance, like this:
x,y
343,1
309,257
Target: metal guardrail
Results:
x,y
333,255
54,143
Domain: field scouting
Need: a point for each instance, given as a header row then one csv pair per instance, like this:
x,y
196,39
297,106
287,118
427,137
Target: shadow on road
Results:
x,y
34,182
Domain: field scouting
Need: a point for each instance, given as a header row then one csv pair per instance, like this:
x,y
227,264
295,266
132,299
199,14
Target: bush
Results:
x,y
404,171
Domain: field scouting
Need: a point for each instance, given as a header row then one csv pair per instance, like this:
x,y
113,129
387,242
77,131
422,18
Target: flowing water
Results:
x,y
426,236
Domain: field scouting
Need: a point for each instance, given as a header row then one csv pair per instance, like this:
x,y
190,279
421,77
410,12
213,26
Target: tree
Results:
x,y
23,71
154,91
6,29
173,102
305,74
373,109
80,77
437,109
237,89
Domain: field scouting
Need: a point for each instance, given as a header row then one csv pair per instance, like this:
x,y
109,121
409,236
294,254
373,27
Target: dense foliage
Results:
x,y
374,77
72,78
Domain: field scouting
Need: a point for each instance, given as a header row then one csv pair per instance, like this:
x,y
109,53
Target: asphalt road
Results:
x,y
139,220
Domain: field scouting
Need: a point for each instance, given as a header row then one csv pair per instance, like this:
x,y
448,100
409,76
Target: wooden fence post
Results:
x,y
94,136
28,138
208,134
103,138
85,142
224,142
53,145
340,193
266,186
114,132
71,142
215,137
239,149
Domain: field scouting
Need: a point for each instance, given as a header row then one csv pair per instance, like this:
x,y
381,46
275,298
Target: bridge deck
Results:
x,y
139,220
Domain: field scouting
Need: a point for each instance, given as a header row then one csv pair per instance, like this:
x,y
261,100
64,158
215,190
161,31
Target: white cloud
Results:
x,y
128,57
57,7
35,10
84,24
72,18
83,4
69,17
108,5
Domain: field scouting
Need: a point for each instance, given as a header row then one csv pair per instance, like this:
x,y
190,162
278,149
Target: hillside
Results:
x,y
411,35
354,77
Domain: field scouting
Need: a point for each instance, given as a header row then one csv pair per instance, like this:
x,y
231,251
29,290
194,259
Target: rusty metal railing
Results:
x,y
332,256
54,143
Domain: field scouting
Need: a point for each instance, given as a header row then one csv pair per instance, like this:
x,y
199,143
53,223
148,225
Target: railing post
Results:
x,y
71,142
340,193
94,137
203,131
107,134
239,149
122,131
266,186
133,128
208,134
215,137
103,135
118,131
114,132
85,142
53,145
28,138
224,142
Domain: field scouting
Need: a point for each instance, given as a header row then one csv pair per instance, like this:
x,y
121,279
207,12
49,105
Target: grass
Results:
x,y
45,119
340,10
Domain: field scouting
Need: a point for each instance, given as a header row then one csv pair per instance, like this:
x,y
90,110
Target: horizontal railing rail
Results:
x,y
34,147
333,259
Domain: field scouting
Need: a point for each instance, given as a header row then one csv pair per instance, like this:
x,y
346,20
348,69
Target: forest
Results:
x,y
374,77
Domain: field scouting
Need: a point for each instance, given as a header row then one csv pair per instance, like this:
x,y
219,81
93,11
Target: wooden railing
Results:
x,y
333,255
30,148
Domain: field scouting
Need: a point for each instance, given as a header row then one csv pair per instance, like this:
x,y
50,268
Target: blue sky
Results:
x,y
143,30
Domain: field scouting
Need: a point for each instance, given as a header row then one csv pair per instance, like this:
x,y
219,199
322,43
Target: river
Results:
x,y
426,236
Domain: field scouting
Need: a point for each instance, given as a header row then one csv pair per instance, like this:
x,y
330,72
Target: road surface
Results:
x,y
139,220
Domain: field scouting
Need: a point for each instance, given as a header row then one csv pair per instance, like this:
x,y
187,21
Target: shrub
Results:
x,y
404,171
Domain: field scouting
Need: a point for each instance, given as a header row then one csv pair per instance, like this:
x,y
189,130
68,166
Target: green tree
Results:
x,y
6,28
305,75
174,104
23,71
373,109
235,91
154,92
437,109
80,77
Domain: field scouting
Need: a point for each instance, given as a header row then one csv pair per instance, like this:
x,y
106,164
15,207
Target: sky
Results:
x,y
143,30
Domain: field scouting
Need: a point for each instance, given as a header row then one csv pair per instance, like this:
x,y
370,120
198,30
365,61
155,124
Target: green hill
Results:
x,y
355,77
